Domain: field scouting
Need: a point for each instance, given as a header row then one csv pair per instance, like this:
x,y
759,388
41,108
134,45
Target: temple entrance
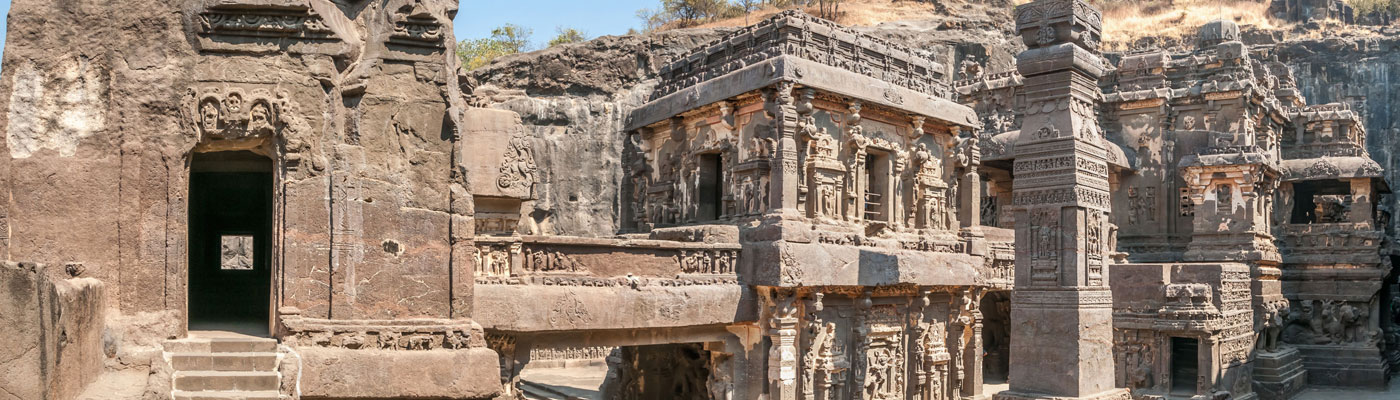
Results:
x,y
1185,353
667,371
996,337
230,226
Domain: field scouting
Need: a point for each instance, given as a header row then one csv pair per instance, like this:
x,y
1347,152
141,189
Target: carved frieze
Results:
x,y
294,23
398,335
232,113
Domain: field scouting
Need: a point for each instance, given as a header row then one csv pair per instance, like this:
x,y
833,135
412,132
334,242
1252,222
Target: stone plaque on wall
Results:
x,y
236,252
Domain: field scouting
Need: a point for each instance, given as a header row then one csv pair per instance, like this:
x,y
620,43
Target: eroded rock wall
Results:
x,y
91,123
54,331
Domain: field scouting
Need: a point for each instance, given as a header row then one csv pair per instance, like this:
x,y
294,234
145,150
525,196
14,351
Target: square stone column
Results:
x,y
1061,309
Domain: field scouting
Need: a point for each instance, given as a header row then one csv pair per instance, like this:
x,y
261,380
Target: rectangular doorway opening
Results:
x,y
230,241
711,187
877,170
1185,370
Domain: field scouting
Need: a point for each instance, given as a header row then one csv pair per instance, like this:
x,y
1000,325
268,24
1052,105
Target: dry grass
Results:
x,y
1127,22
853,13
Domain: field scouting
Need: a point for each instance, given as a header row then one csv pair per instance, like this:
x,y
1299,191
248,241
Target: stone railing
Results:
x,y
1330,243
797,34
560,260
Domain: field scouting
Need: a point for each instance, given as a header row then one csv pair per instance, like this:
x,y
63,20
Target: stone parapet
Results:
x,y
794,33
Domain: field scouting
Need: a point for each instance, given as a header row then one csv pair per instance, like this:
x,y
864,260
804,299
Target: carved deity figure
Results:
x,y
966,153
209,115
924,161
1138,361
827,206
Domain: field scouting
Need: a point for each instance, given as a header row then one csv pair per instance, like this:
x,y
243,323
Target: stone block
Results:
x,y
1279,375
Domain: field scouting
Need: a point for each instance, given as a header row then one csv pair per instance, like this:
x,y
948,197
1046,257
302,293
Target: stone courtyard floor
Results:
x,y
563,383
1351,394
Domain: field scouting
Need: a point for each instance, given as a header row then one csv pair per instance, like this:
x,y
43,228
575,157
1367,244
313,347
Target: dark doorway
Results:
x,y
876,171
230,226
711,187
996,337
665,371
1185,354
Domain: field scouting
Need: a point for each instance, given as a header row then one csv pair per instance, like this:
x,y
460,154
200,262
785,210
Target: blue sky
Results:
x,y
476,18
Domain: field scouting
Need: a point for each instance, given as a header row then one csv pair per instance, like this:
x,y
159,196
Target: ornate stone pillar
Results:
x,y
969,157
1061,309
957,369
972,388
782,188
782,352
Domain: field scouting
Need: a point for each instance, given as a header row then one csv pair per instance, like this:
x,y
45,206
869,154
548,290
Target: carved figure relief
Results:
x,y
518,168
544,260
1137,361
1142,204
1331,322
226,114
1044,243
1094,246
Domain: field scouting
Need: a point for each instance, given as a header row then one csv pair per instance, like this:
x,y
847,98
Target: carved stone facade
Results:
x,y
1214,158
808,213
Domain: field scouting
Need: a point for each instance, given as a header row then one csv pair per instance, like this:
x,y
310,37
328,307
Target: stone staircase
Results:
x,y
231,367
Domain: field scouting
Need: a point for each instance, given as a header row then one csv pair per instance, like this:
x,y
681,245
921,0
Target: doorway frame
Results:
x,y
267,147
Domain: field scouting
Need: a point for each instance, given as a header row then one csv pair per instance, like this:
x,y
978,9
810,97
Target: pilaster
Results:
x,y
782,107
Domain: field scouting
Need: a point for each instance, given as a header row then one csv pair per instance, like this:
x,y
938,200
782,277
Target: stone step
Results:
x,y
224,361
196,381
228,395
221,345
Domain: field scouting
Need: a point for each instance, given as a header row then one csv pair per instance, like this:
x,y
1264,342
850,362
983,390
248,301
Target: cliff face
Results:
x,y
1365,73
574,100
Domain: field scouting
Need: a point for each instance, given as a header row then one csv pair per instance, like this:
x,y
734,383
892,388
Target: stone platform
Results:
x,y
1114,394
1279,375
1345,366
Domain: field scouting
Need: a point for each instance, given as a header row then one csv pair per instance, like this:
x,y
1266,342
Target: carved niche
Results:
x,y
1044,238
1094,246
827,176
882,355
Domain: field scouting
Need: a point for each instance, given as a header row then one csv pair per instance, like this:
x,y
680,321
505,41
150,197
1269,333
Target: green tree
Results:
x,y
567,35
504,40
